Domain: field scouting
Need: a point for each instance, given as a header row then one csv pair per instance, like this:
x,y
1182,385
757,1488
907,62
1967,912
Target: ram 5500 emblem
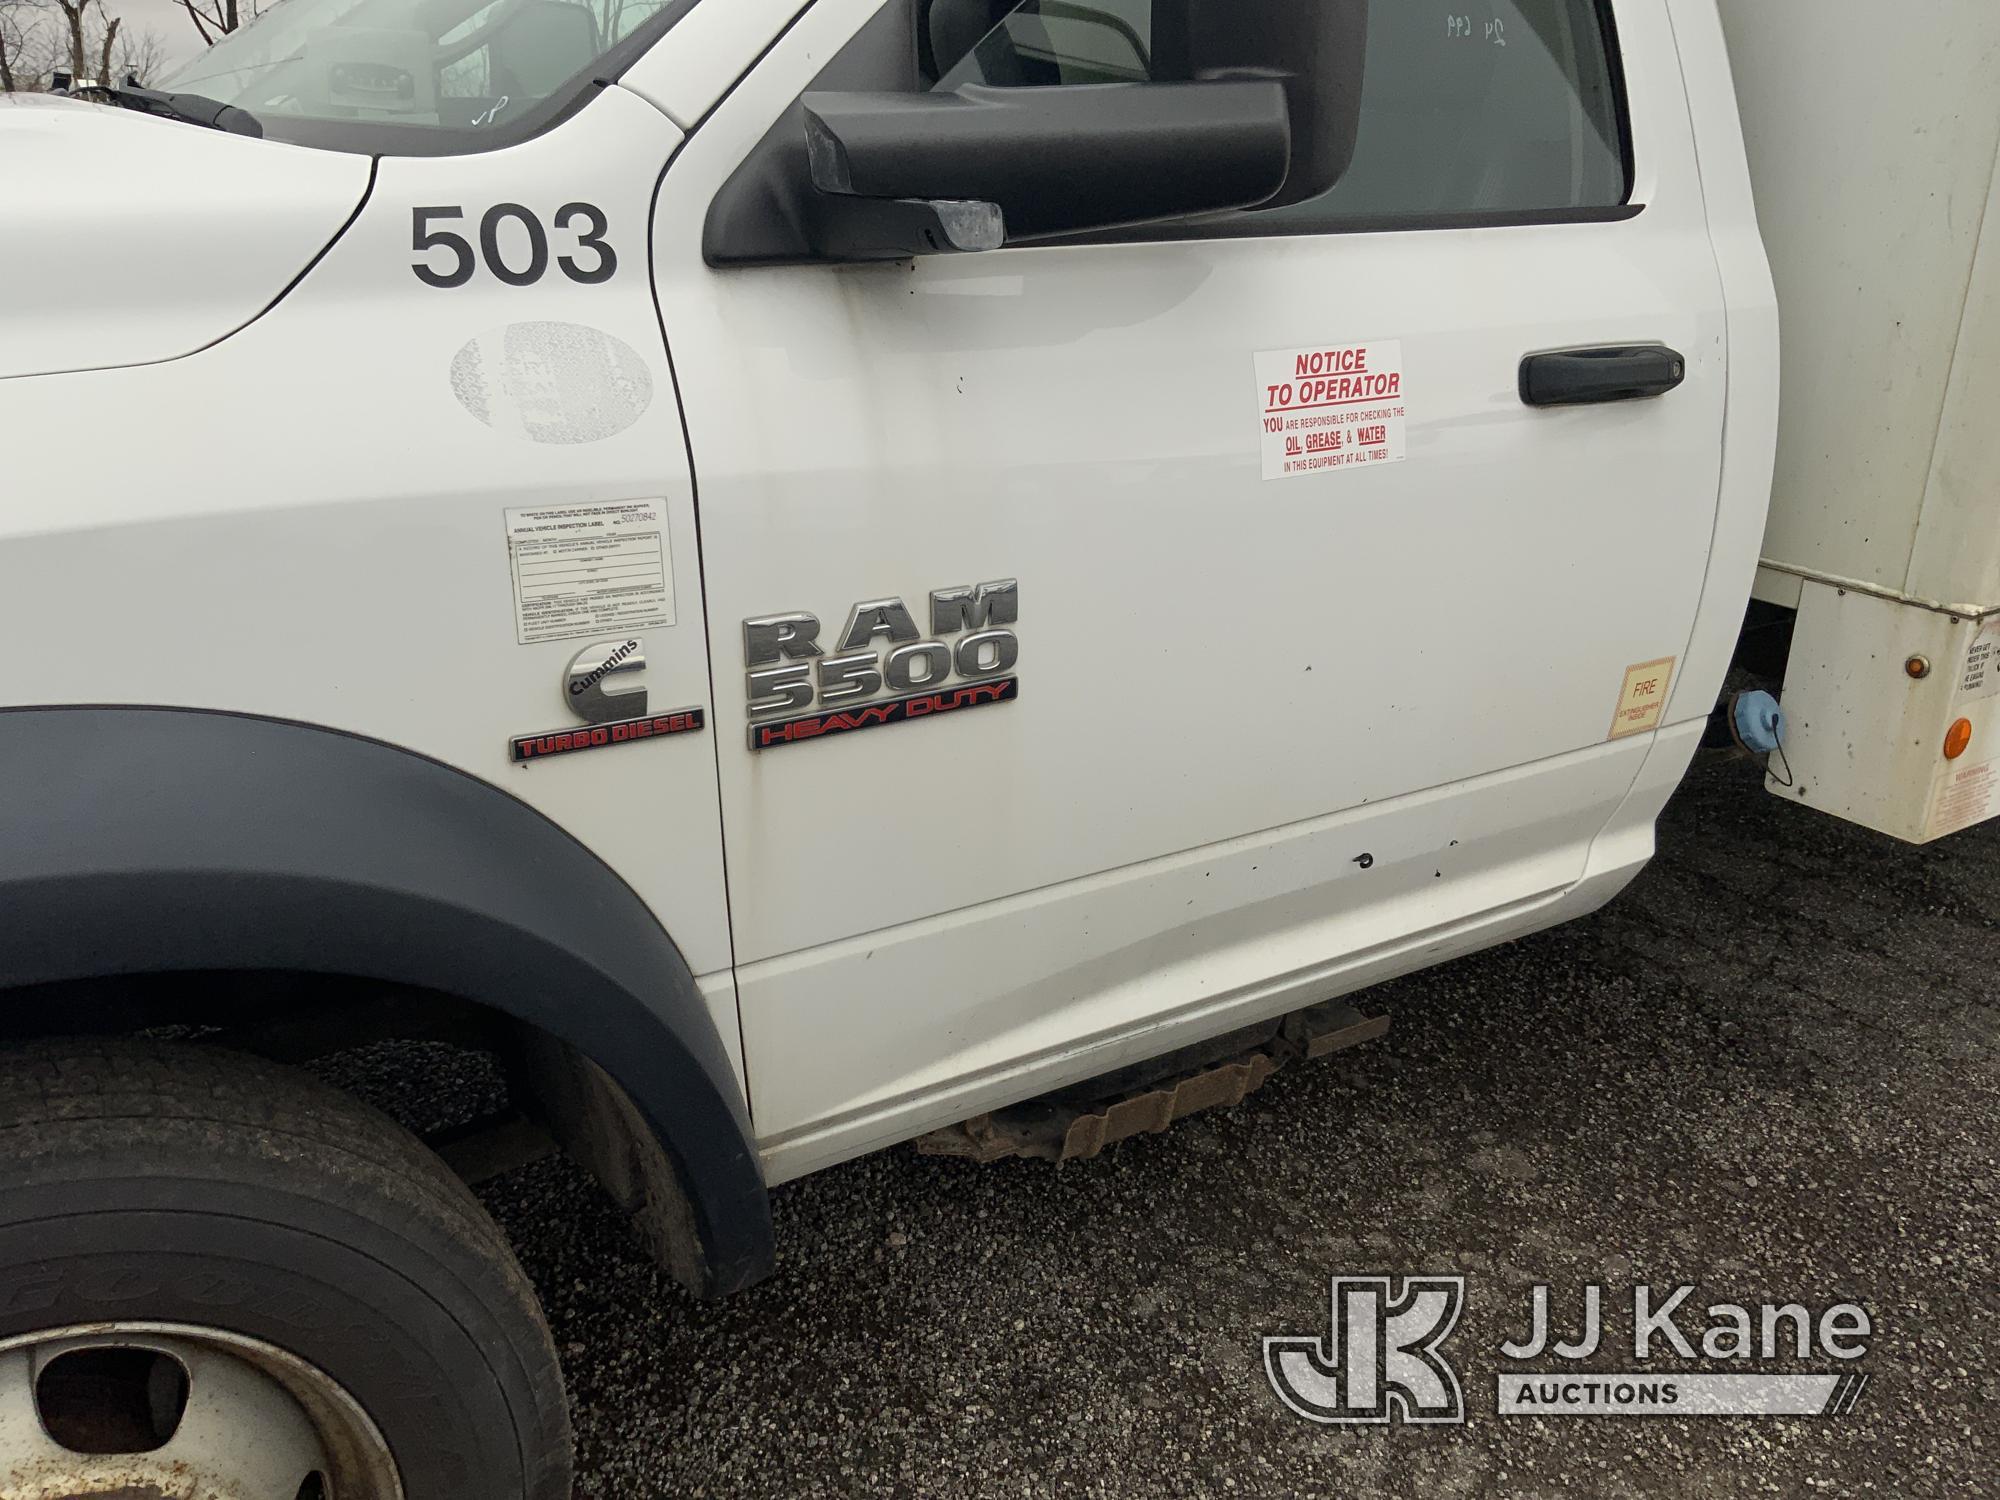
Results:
x,y
798,692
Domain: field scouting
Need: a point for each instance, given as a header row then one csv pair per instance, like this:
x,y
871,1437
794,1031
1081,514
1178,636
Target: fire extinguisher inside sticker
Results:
x,y
1330,407
1642,698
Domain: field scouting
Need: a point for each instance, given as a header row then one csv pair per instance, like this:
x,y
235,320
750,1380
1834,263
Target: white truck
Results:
x,y
807,576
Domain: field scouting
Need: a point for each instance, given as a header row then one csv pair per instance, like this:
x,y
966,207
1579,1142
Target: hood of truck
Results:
x,y
126,239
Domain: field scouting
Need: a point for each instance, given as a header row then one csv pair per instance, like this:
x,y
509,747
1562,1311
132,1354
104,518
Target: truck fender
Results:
x,y
150,841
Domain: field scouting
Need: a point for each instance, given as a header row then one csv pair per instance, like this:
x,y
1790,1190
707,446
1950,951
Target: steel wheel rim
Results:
x,y
182,1411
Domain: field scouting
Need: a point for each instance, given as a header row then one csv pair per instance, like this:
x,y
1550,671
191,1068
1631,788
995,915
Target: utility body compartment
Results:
x,y
1874,148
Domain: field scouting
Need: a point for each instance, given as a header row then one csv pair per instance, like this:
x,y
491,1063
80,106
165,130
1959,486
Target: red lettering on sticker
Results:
x,y
1356,389
1332,361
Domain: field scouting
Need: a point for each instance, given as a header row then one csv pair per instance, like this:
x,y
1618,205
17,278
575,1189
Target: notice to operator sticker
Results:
x,y
1330,407
589,570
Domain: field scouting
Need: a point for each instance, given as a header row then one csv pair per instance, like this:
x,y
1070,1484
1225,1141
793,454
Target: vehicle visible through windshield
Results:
x,y
418,76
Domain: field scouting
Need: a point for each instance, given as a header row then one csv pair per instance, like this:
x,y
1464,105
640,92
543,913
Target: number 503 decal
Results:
x,y
600,262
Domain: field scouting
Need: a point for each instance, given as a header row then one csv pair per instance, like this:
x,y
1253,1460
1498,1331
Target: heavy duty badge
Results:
x,y
616,715
790,675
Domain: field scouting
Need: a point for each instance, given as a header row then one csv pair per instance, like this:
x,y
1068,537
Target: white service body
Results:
x,y
1275,740
1874,145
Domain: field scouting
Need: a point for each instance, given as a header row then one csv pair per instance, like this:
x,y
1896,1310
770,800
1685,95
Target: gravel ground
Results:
x,y
1772,1067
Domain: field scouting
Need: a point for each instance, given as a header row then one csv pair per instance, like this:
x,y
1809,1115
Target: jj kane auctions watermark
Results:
x,y
1383,1357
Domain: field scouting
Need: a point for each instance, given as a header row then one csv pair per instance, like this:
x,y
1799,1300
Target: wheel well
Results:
x,y
511,1092
242,865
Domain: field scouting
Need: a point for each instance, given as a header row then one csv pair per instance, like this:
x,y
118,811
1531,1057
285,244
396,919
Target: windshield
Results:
x,y
418,76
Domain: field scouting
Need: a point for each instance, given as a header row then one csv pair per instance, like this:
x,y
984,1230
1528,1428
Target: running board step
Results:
x,y
1076,1123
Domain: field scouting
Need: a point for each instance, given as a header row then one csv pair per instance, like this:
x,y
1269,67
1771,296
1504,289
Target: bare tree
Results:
x,y
39,38
81,29
217,18
23,44
107,39
31,44
141,56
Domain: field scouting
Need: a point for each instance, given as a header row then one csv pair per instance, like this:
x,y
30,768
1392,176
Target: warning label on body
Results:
x,y
1962,797
1330,407
1981,678
589,570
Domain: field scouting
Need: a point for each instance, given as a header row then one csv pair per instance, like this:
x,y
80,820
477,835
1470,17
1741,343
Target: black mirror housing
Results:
x,y
1051,160
777,209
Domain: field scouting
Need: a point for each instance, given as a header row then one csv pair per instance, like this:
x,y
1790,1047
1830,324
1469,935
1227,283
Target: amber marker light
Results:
x,y
1957,738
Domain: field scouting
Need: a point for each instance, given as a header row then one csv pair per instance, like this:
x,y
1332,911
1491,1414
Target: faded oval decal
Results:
x,y
552,382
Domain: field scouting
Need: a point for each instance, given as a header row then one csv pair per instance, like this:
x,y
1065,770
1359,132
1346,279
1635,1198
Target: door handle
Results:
x,y
1584,377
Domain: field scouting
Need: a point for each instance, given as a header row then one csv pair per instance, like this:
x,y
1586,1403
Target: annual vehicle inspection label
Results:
x,y
589,570
1330,407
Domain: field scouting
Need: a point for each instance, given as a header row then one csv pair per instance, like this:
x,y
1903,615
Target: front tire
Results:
x,y
208,1261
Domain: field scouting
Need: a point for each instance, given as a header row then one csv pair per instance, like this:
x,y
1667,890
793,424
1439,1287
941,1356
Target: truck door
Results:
x,y
1310,650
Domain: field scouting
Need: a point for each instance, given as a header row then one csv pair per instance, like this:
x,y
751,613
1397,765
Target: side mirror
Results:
x,y
901,174
949,125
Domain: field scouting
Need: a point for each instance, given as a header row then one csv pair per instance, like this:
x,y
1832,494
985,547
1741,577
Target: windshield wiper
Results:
x,y
192,109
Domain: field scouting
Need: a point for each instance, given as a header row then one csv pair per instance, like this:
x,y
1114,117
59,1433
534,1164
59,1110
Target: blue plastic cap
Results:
x,y
1759,722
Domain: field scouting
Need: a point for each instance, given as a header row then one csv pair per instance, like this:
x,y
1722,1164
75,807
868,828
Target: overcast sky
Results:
x,y
165,20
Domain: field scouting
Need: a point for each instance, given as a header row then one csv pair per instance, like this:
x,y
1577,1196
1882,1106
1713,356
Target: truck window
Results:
x,y
1465,111
421,77
1044,42
1509,107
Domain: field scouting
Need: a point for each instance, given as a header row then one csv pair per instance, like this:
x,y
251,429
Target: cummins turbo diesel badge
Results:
x,y
615,714
968,663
